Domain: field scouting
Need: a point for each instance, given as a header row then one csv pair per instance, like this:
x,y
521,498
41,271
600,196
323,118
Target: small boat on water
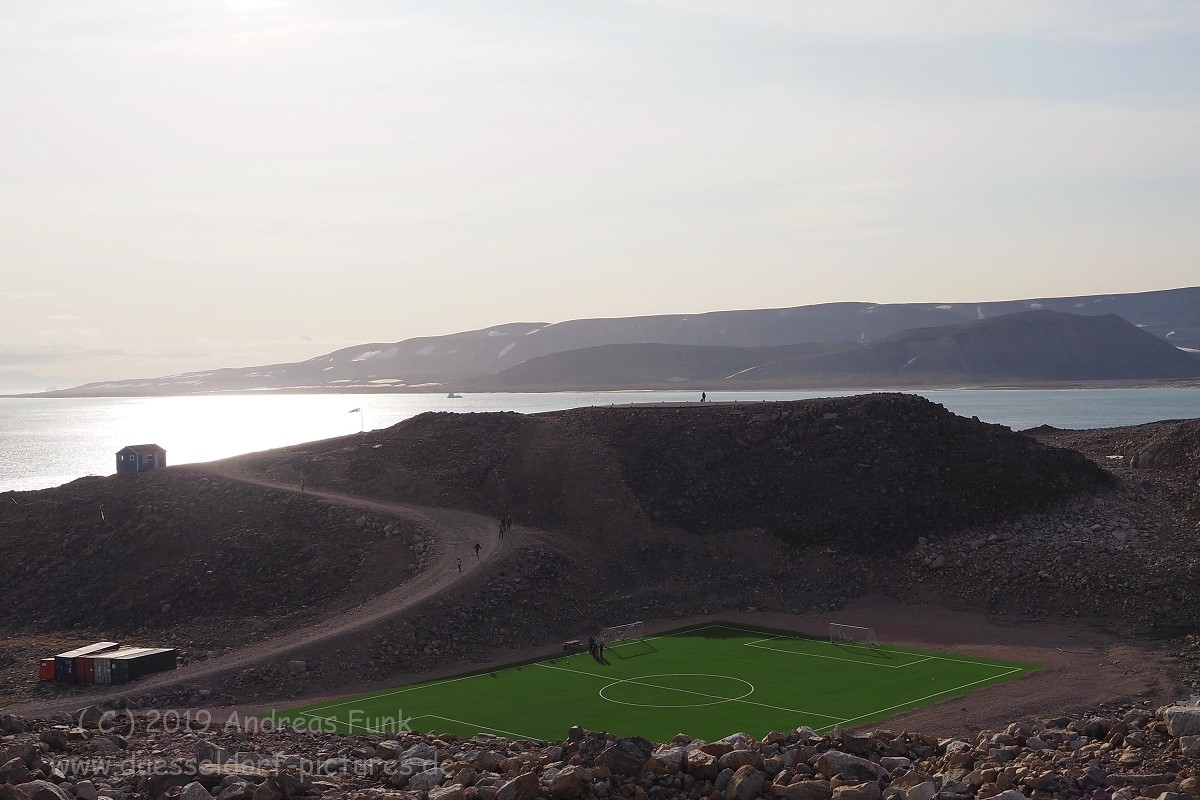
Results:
x,y
453,396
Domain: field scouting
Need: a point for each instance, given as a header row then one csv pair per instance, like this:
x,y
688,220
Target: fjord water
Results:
x,y
49,441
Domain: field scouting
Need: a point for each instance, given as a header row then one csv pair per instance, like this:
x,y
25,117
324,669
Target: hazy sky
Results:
x,y
187,184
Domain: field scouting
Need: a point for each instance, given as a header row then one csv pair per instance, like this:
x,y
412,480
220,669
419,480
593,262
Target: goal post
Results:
x,y
853,634
621,633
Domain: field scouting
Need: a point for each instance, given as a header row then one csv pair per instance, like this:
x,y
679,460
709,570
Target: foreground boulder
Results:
x,y
627,756
1136,753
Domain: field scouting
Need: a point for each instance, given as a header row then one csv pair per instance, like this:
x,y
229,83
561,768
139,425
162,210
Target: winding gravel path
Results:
x,y
455,533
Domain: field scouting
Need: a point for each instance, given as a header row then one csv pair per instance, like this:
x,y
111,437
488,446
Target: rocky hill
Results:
x,y
629,512
869,472
187,554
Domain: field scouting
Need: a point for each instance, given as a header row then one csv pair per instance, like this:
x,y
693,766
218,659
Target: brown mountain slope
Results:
x,y
875,470
635,512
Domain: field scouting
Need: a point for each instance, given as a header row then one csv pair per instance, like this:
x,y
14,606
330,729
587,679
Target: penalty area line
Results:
x,y
918,661
924,656
922,699
758,646
350,726
477,725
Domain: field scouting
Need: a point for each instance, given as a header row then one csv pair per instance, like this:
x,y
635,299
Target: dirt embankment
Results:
x,y
657,513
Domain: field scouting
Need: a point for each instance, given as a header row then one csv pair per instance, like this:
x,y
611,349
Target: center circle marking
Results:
x,y
717,701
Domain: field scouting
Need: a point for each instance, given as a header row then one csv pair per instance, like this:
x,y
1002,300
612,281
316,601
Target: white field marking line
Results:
x,y
636,682
929,696
881,649
953,660
918,661
682,632
334,720
349,725
477,725
403,689
758,646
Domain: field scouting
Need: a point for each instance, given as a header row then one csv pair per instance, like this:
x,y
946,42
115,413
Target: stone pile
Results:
x,y
176,548
1098,559
1138,753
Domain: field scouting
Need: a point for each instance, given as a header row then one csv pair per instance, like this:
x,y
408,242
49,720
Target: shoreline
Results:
x,y
819,386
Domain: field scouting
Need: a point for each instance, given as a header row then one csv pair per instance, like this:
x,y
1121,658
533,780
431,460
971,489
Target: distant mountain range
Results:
x,y
1149,336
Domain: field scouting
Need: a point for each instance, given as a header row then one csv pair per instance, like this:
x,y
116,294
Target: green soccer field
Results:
x,y
707,681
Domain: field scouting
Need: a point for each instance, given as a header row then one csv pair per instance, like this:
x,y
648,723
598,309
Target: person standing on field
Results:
x,y
460,565
478,546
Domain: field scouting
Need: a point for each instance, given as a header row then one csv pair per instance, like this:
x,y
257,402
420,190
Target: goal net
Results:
x,y
852,634
621,633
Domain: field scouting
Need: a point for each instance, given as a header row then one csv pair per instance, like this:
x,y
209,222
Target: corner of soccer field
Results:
x,y
705,680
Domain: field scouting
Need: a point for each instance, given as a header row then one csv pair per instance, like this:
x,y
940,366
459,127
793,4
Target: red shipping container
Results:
x,y
46,669
85,670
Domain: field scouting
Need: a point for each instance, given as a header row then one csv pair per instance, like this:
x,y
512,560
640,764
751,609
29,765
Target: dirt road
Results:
x,y
455,532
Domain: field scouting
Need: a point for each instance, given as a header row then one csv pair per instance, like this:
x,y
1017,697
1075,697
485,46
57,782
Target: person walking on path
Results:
x,y
302,486
478,546
460,565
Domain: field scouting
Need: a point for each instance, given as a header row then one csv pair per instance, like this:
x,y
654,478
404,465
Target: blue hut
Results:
x,y
140,457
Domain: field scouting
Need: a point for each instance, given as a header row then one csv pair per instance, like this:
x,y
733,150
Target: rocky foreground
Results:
x,y
1136,752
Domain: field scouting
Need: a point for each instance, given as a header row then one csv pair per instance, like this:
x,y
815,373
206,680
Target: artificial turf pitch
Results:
x,y
706,681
